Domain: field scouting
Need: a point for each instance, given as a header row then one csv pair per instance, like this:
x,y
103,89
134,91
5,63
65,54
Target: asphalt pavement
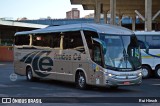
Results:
x,y
12,85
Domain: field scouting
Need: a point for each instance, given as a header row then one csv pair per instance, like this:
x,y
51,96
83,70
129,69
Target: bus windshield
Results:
x,y
122,52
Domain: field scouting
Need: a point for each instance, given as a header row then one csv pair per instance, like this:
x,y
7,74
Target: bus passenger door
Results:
x,y
96,55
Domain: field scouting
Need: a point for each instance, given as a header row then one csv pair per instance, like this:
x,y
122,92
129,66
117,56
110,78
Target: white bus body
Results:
x,y
150,50
87,54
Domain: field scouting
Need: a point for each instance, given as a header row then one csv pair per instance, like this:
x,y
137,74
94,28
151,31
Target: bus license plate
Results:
x,y
126,83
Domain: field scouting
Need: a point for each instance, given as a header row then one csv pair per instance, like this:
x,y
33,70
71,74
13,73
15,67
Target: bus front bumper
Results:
x,y
111,81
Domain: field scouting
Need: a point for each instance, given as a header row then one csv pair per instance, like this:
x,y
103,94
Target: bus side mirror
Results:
x,y
147,47
147,50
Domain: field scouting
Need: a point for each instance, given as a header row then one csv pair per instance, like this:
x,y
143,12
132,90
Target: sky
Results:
x,y
35,9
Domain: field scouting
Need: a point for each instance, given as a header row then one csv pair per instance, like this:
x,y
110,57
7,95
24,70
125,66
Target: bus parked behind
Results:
x,y
150,50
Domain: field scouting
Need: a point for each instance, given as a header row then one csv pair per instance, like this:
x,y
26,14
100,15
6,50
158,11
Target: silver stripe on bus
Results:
x,y
53,72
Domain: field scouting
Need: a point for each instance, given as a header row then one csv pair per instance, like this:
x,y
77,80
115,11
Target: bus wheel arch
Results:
x,y
146,71
157,71
80,79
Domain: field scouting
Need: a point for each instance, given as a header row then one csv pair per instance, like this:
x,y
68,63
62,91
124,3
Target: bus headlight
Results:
x,y
140,74
110,75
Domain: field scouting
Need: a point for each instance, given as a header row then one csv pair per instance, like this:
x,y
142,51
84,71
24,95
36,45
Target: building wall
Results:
x,y
73,14
6,53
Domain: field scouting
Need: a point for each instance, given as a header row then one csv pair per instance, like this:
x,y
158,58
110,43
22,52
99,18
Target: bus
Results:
x,y
150,50
84,54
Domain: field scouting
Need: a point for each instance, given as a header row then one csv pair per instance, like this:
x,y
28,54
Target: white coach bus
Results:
x,y
86,54
150,50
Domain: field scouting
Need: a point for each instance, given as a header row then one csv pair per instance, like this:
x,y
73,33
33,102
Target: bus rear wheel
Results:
x,y
146,71
157,72
81,80
29,74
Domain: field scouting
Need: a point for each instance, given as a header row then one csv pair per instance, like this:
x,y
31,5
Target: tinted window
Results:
x,y
47,40
141,41
97,54
55,40
153,42
89,35
73,40
22,40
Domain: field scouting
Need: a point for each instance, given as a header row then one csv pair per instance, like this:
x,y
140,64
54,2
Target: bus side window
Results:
x,y
141,41
41,40
55,40
97,58
73,40
153,41
22,40
141,44
47,40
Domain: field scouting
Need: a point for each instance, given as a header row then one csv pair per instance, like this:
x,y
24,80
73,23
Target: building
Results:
x,y
73,14
7,31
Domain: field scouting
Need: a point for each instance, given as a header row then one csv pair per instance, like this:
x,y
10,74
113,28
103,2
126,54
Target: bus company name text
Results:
x,y
64,56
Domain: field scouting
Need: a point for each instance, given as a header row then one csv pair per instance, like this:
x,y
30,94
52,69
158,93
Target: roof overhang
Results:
x,y
124,7
21,24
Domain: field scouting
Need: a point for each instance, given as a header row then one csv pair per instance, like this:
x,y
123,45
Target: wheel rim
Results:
x,y
144,72
158,72
29,74
81,80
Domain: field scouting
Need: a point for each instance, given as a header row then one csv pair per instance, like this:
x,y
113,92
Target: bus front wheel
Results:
x,y
81,80
146,71
157,72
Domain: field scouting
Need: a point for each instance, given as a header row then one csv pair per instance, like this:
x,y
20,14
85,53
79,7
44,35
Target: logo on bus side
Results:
x,y
40,62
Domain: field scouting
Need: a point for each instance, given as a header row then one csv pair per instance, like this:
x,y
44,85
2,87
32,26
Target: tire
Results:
x,y
81,80
29,75
146,71
157,72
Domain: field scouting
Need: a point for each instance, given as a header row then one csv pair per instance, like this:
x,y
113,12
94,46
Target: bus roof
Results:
x,y
147,33
100,28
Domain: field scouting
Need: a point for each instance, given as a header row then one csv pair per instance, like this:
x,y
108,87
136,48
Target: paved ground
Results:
x,y
22,88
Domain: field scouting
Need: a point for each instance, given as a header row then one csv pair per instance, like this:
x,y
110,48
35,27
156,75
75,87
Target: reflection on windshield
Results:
x,y
122,52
